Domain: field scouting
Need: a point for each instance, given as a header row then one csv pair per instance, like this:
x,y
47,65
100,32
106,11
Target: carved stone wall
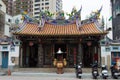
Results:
x,y
40,55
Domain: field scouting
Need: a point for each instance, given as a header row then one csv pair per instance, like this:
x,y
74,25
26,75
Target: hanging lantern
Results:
x,y
89,43
39,40
80,39
30,43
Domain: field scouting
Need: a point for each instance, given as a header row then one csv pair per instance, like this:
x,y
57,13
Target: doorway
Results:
x,y
4,59
33,55
87,55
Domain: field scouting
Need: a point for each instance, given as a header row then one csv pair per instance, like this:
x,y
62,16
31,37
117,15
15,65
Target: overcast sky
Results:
x,y
88,6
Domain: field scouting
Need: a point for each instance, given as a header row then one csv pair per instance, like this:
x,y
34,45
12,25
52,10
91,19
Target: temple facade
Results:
x,y
40,40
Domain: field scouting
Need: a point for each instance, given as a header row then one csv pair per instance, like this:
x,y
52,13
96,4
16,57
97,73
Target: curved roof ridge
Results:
x,y
98,26
60,22
21,27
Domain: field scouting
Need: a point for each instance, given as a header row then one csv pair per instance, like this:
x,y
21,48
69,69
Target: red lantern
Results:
x,y
80,39
30,43
89,43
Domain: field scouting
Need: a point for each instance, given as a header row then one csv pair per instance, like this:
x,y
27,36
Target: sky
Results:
x,y
88,6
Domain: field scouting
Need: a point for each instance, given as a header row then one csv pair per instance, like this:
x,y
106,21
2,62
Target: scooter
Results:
x,y
104,72
114,72
95,72
79,70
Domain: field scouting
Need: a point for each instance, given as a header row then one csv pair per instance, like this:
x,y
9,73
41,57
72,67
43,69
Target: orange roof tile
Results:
x,y
68,29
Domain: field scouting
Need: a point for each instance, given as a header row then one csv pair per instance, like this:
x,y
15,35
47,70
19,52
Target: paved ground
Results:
x,y
45,76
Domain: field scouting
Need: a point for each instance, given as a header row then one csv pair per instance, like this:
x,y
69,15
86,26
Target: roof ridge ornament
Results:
x,y
60,15
78,23
94,16
78,18
25,16
41,22
75,14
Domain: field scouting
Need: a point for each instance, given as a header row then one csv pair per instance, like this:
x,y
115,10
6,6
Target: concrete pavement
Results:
x,y
40,74
46,76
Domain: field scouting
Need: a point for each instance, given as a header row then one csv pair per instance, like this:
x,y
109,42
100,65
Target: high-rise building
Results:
x,y
2,18
116,18
13,6
26,5
9,6
51,5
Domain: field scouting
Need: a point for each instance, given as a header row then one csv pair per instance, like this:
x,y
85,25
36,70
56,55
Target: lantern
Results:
x,y
80,39
30,43
89,43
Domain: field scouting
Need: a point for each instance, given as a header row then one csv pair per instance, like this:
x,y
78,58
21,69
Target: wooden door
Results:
x,y
72,55
47,55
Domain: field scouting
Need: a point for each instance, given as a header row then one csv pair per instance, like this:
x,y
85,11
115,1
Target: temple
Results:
x,y
79,40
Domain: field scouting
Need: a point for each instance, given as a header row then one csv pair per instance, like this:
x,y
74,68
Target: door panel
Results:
x,y
47,54
72,56
4,59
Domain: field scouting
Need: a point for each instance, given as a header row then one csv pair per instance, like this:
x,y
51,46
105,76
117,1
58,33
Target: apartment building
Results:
x,y
51,5
116,18
2,17
13,6
26,5
9,6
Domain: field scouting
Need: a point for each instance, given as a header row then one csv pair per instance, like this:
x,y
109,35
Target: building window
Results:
x,y
12,49
42,8
37,12
115,58
42,3
115,48
47,3
9,20
37,0
36,8
37,16
107,49
4,48
37,4
47,8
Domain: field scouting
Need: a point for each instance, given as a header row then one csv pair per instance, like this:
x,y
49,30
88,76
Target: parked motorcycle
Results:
x,y
114,71
104,72
79,70
95,72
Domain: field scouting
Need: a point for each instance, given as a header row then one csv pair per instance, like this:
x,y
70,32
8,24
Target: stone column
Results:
x,y
40,55
79,55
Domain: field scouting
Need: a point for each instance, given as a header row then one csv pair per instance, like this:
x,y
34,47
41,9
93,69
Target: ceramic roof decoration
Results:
x,y
60,26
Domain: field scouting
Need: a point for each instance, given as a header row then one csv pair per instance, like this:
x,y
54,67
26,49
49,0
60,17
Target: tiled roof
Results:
x,y
53,30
